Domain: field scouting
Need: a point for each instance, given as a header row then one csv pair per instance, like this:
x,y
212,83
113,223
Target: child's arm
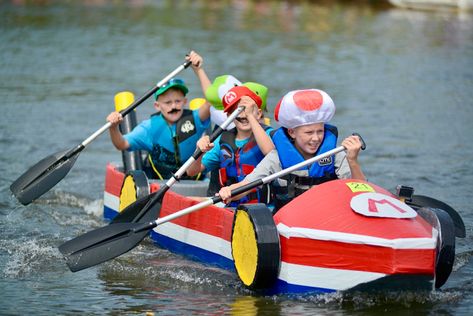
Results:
x,y
263,140
353,146
225,192
197,66
118,141
196,167
269,165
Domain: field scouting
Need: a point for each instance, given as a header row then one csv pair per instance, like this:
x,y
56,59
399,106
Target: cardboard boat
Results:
x,y
342,235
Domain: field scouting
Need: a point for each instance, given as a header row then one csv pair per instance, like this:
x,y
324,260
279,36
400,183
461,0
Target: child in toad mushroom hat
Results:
x,y
304,133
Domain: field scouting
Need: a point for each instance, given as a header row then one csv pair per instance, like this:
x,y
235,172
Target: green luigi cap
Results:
x,y
173,83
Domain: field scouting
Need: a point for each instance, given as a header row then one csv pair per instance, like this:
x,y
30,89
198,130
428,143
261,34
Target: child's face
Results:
x,y
241,122
307,138
171,104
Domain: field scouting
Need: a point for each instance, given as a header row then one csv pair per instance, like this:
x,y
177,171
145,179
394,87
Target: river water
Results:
x,y
402,79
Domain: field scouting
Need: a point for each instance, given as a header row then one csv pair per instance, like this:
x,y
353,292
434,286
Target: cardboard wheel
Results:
x,y
446,254
426,201
442,221
255,246
134,186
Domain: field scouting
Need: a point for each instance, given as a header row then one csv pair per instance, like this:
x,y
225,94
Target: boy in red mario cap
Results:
x,y
236,152
303,115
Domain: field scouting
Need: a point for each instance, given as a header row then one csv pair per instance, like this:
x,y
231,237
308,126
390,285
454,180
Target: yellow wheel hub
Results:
x,y
134,186
255,246
128,193
244,247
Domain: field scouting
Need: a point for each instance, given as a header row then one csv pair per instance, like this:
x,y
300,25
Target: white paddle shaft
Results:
x,y
108,124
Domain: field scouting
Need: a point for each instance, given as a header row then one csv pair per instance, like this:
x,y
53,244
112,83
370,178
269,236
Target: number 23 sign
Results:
x,y
381,205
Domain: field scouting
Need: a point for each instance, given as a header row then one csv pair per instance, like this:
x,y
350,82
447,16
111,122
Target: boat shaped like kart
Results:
x,y
338,236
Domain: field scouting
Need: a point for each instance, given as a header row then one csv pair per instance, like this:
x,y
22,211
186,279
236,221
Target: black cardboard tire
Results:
x,y
255,246
441,221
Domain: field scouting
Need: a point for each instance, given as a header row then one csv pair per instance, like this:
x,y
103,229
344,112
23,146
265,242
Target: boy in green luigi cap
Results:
x,y
170,135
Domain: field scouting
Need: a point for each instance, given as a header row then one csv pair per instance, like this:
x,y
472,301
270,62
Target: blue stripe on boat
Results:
x,y
109,213
192,252
284,287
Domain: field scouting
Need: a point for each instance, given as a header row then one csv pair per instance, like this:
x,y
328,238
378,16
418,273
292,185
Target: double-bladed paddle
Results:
x,y
146,209
108,242
45,174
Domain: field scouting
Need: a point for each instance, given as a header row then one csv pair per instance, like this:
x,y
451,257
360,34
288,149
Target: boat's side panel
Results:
x,y
364,254
193,244
113,184
326,244
312,278
114,178
204,235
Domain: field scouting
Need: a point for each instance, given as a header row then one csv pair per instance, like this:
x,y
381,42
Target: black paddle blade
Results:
x,y
41,177
140,211
426,201
101,245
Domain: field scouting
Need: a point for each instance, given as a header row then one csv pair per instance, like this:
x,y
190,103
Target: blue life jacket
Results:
x,y
164,162
237,162
319,172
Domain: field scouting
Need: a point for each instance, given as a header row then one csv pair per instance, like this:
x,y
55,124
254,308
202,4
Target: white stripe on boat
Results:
x,y
111,201
195,238
397,243
334,279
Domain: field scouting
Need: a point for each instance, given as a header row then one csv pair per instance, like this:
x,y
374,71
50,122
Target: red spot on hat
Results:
x,y
276,110
308,100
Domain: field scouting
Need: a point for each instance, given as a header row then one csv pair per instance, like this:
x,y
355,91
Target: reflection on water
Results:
x,y
400,78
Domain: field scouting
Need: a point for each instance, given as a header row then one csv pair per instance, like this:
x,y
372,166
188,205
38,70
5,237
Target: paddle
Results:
x,y
108,242
45,174
136,212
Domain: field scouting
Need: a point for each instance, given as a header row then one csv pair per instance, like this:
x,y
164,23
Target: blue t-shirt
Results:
x,y
156,132
211,159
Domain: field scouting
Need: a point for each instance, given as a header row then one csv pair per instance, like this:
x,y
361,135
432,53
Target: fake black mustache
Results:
x,y
174,111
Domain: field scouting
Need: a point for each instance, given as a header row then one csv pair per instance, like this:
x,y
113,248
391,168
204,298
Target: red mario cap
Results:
x,y
231,98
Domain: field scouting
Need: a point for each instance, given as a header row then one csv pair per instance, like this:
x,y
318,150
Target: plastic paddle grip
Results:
x,y
363,144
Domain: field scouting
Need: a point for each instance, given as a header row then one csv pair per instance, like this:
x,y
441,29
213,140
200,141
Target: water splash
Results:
x,y
68,209
56,197
28,257
461,260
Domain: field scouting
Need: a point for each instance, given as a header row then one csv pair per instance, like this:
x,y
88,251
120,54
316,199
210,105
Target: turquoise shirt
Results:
x,y
155,132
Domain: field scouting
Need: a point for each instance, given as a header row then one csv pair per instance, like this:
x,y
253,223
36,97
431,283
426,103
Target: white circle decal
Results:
x,y
230,96
381,205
